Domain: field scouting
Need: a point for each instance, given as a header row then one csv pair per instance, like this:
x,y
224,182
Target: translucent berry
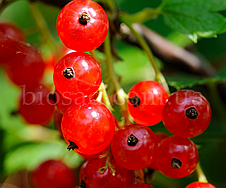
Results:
x,y
146,102
77,73
53,173
98,173
134,146
187,113
88,128
34,105
82,25
12,31
176,157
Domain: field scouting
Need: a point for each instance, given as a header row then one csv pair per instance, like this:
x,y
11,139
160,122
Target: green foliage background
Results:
x,y
21,147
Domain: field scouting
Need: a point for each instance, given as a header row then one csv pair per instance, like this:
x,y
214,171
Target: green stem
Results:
x,y
158,75
110,69
201,175
94,55
140,17
104,96
42,26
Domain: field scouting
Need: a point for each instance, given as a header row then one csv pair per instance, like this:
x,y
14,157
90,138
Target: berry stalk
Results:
x,y
201,175
105,97
110,69
42,26
158,75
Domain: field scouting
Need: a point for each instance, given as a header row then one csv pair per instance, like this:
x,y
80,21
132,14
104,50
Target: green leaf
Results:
x,y
29,156
181,81
135,65
195,18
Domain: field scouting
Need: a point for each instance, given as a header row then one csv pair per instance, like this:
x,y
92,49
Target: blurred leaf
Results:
x,y
31,155
2,153
195,18
180,81
135,65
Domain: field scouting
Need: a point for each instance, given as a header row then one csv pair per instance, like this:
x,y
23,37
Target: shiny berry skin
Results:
x,y
34,105
146,102
140,185
89,176
82,25
159,138
12,31
134,146
177,157
53,173
187,113
77,73
200,185
88,128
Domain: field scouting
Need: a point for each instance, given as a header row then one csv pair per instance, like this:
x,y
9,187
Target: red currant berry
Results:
x,y
52,173
146,102
134,146
34,105
200,185
140,185
25,64
82,25
77,73
98,173
12,31
187,113
88,128
176,157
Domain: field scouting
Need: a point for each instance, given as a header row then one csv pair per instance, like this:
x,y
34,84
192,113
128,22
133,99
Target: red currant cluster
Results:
x,y
86,124
89,127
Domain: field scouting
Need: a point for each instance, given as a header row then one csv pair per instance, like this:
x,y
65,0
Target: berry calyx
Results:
x,y
191,113
135,101
176,163
132,140
84,18
68,73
